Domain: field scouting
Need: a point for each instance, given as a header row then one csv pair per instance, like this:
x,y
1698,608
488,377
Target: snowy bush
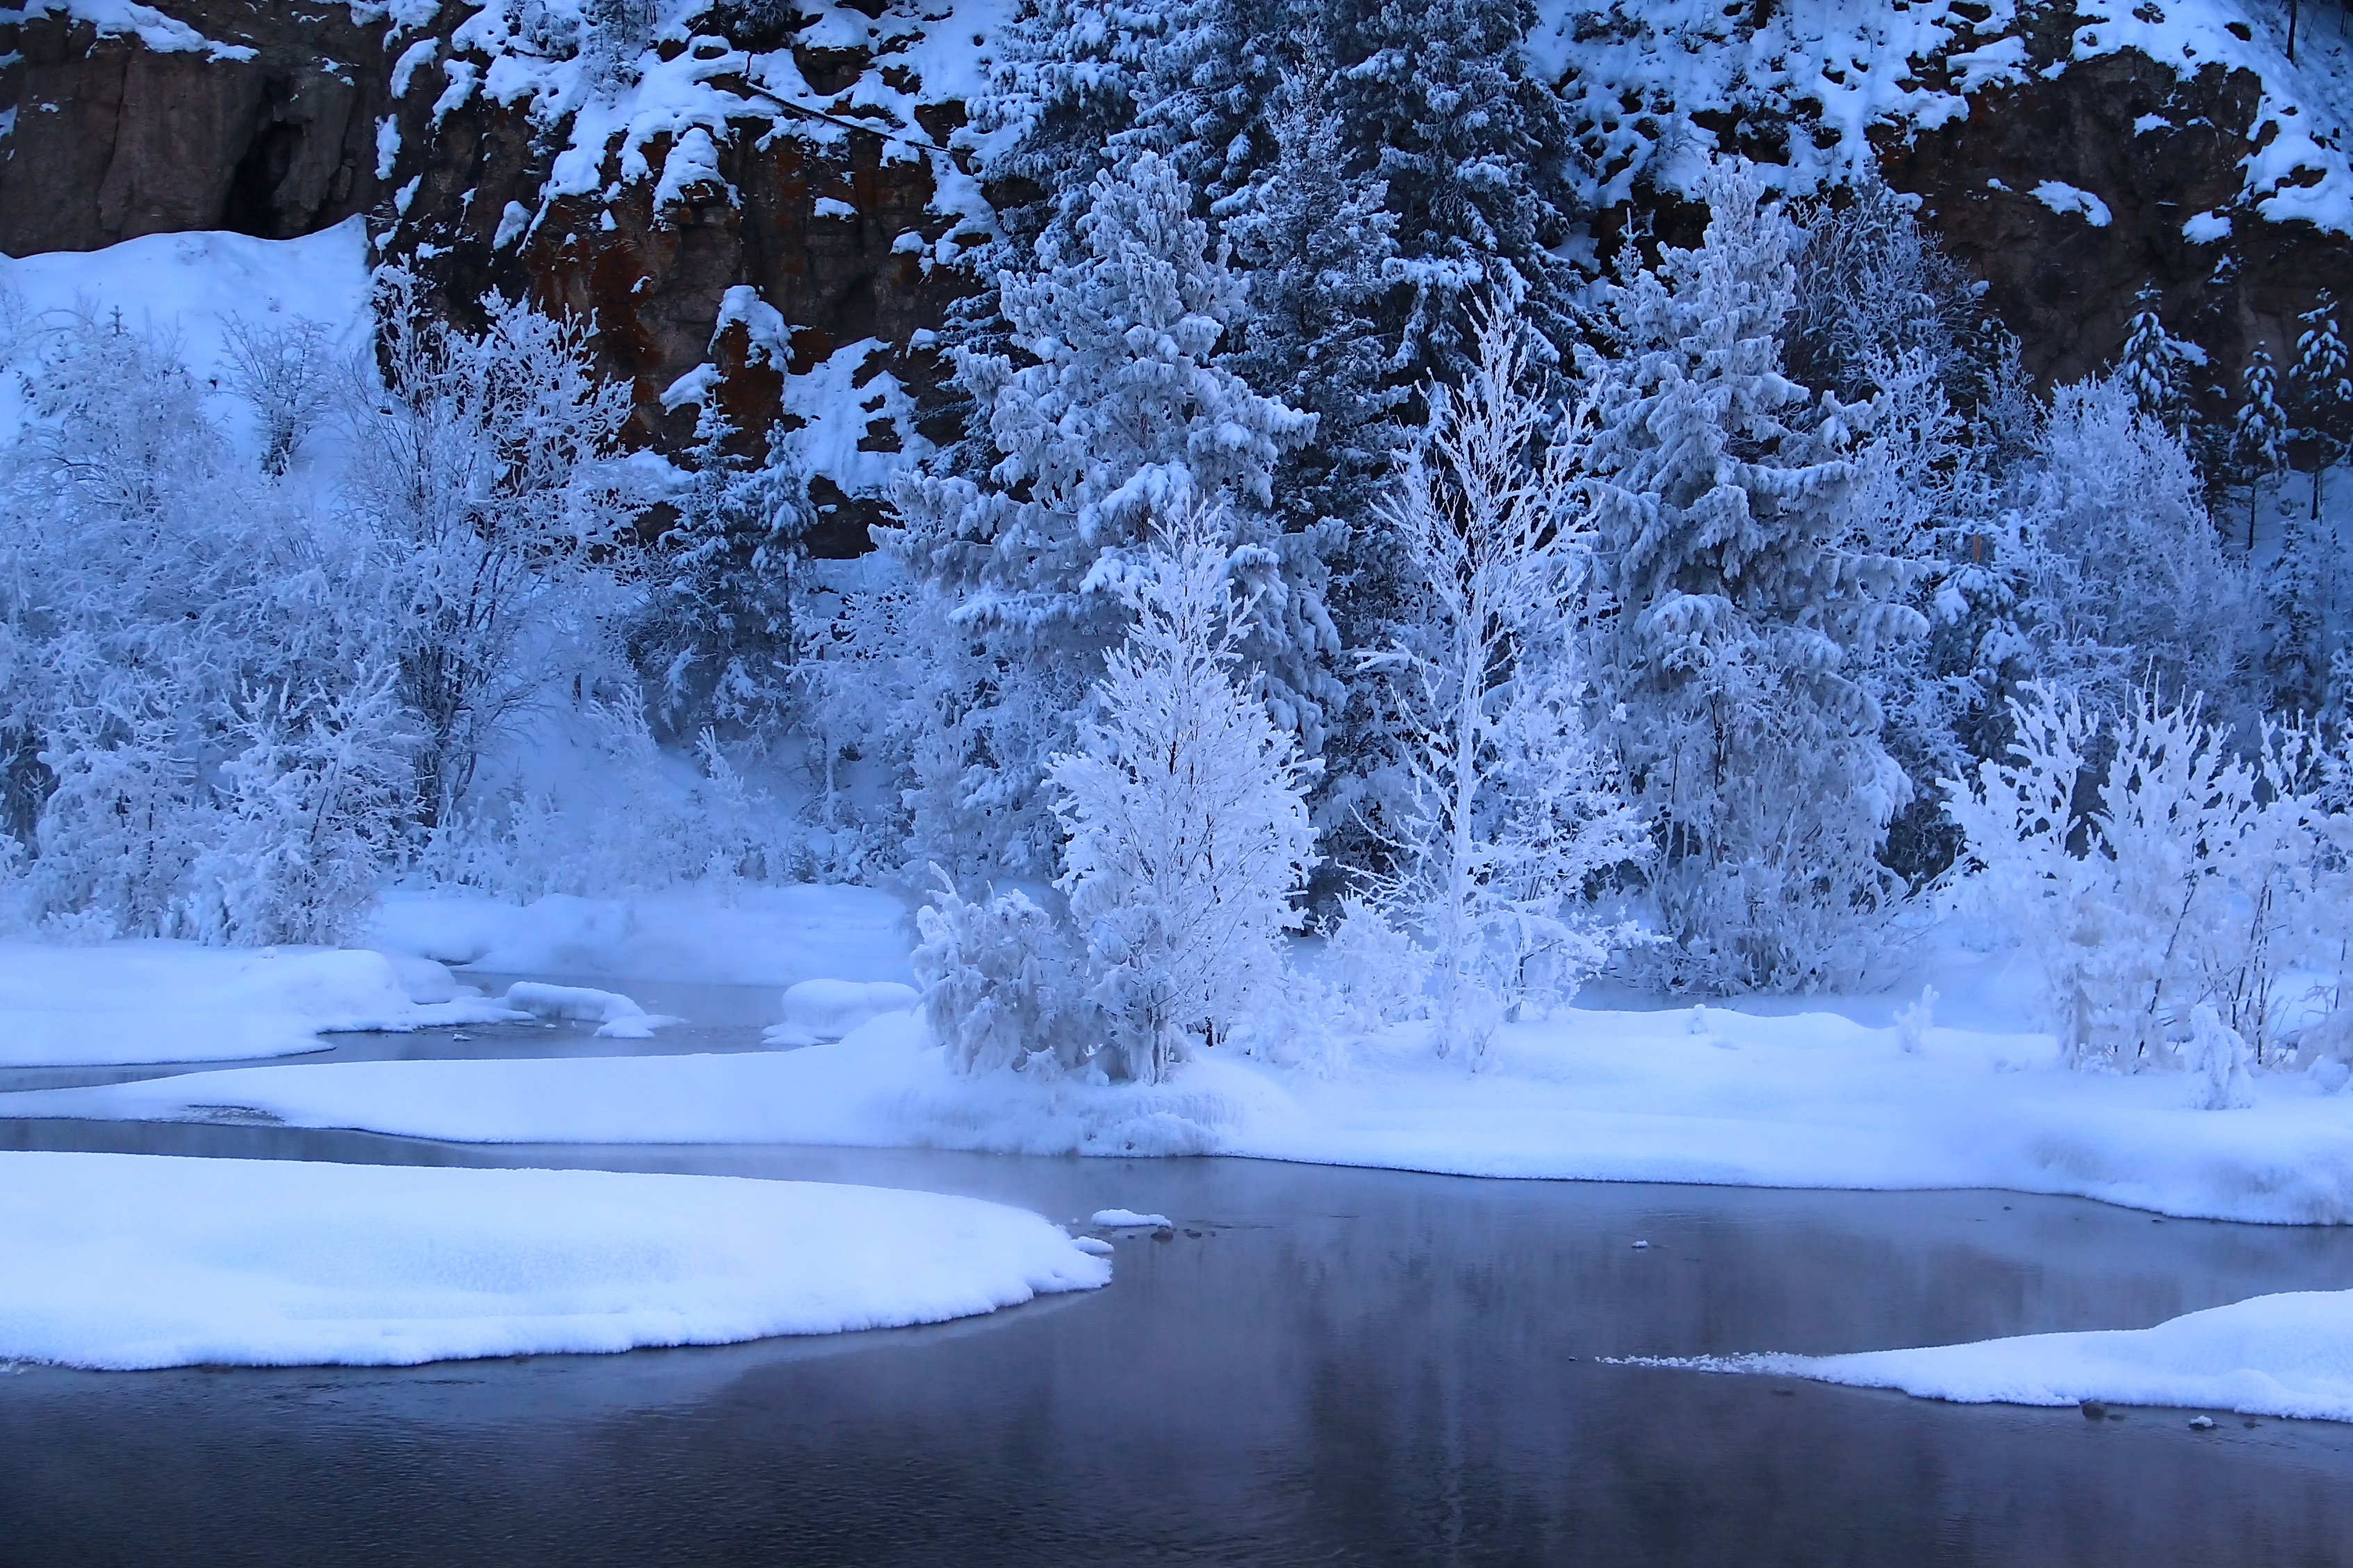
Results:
x,y
2153,869
1005,988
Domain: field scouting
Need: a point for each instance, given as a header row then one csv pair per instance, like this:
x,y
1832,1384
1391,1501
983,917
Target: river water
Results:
x,y
1317,1367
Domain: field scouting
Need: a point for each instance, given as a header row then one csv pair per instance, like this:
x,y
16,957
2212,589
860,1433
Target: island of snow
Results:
x,y
2289,1355
121,1262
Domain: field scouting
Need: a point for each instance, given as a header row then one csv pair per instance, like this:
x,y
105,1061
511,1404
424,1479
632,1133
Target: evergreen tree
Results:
x,y
1124,420
1732,613
1438,101
2321,392
714,645
2260,435
2153,365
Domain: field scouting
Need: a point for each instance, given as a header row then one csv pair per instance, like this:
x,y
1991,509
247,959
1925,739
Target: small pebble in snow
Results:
x,y
2202,1424
1641,1245
1164,1236
1194,1234
2094,1410
2250,1423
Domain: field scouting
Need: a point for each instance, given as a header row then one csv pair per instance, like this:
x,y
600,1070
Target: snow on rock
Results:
x,y
125,1261
820,1010
123,1002
752,936
2062,197
617,1016
2289,1355
1128,1219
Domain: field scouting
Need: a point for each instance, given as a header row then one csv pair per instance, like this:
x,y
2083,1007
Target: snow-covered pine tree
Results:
x,y
1124,421
1321,246
2154,367
1513,805
1723,653
2320,392
1438,101
2259,435
714,644
1185,808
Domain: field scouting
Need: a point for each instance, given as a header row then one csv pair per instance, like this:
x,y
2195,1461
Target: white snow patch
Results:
x,y
2062,197
820,1010
119,19
123,1261
1807,1101
2288,1355
2207,228
618,1018
1128,1219
143,1001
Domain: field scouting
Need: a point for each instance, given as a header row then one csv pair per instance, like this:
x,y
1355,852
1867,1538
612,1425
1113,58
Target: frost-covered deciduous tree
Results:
x,y
1513,805
1185,808
1125,421
161,600
486,473
2153,866
287,377
1734,608
2125,579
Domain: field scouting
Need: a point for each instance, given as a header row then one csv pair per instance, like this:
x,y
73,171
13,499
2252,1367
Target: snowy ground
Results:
x,y
124,1002
1693,1095
749,936
125,1261
2288,1355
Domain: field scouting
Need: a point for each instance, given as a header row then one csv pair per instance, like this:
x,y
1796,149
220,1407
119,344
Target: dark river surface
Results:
x,y
1319,1366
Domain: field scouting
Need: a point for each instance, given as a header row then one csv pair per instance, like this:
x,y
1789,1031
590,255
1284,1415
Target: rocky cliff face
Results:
x,y
230,114
759,208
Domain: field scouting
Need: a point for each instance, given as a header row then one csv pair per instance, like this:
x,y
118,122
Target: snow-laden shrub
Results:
x,y
1005,988
2154,868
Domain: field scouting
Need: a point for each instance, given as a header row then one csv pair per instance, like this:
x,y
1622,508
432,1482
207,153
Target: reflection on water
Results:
x,y
1341,1366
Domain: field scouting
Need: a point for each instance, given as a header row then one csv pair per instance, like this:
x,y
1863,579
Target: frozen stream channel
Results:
x,y
1317,1365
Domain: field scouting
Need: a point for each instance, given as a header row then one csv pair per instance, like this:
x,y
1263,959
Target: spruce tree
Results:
x,y
2153,365
1438,101
1733,612
1122,419
2259,435
2321,393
